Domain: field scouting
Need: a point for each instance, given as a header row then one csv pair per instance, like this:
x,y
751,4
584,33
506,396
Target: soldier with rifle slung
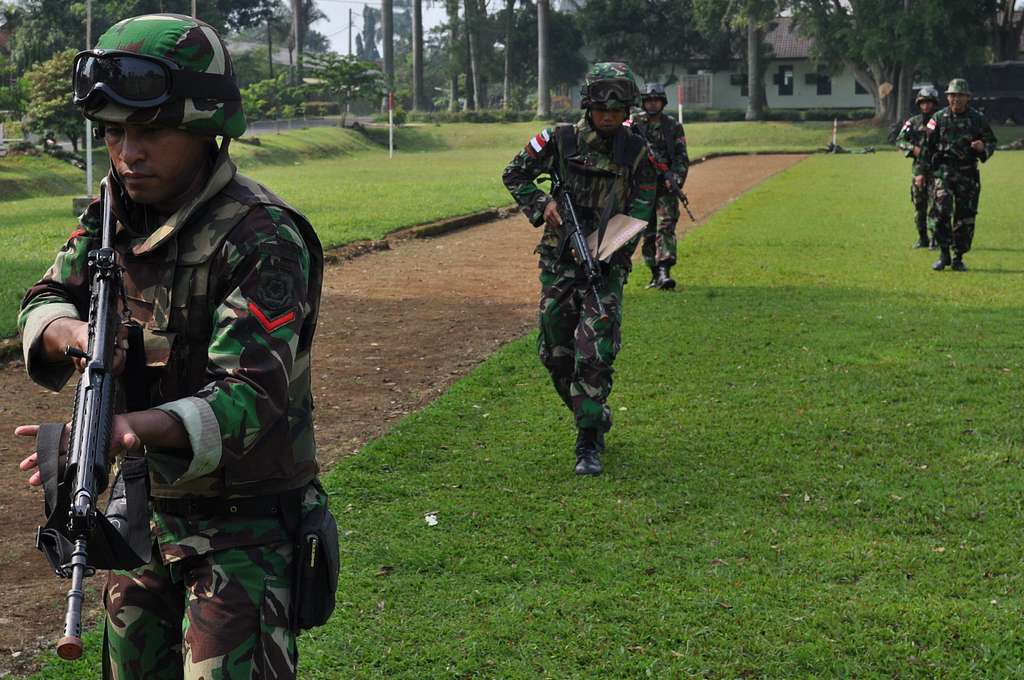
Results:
x,y
224,279
667,140
911,141
605,170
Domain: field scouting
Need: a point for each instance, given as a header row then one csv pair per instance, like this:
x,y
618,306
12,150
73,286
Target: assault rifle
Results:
x,y
78,538
677,191
577,242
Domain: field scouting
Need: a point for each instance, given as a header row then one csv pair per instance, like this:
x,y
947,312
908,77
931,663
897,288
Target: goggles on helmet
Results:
x,y
604,92
141,81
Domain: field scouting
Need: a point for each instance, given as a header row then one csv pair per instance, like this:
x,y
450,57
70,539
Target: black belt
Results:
x,y
252,506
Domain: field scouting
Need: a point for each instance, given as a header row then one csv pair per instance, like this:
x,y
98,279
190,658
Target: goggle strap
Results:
x,y
204,86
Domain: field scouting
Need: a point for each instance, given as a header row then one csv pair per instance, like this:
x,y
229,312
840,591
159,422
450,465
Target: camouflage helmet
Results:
x,y
609,85
654,91
203,98
927,93
958,86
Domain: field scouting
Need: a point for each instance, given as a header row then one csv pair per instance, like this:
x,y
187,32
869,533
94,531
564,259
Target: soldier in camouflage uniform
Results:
x,y
957,138
667,141
608,170
225,278
910,141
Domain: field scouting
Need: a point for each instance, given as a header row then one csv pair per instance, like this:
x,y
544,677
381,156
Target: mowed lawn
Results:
x,y
815,470
344,182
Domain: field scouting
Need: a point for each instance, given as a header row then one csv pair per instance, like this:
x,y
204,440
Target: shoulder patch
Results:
x,y
80,231
932,124
537,144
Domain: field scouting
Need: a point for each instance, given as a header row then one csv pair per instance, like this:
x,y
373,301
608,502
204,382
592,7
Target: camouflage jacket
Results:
x,y
228,291
667,140
605,176
912,134
947,148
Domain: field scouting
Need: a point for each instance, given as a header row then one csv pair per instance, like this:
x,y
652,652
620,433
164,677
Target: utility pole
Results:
x,y
195,14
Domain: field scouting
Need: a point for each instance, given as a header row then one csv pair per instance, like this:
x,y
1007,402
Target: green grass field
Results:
x,y
815,470
348,188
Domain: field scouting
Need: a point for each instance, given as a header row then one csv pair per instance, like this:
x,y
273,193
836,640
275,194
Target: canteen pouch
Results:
x,y
316,567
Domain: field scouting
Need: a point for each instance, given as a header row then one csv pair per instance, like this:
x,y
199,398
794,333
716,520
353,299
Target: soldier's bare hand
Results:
x,y
916,151
551,216
80,341
978,146
919,181
32,462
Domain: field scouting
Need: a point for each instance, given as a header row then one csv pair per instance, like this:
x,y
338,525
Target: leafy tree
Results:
x,y
884,43
347,79
1006,26
648,34
50,107
273,98
566,63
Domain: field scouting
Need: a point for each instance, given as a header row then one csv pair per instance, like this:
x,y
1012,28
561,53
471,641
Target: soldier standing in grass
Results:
x,y
911,141
608,170
667,141
957,138
225,279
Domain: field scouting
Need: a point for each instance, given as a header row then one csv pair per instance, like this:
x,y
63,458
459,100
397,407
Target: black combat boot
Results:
x,y
654,277
589,444
662,279
933,244
958,264
943,261
922,240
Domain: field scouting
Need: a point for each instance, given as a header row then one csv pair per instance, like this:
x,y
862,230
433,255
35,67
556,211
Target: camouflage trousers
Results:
x,y
659,246
223,614
954,208
919,197
576,346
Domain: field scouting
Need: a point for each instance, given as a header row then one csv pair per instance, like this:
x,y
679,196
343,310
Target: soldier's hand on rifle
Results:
x,y
916,151
68,332
672,178
919,181
977,146
551,216
122,439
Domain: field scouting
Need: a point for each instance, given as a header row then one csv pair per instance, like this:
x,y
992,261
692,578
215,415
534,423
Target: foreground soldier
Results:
x,y
608,170
225,278
911,141
958,137
667,141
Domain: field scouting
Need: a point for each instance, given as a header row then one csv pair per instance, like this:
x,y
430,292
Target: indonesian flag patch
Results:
x,y
538,143
932,124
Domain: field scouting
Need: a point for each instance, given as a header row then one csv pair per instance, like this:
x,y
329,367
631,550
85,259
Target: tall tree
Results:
x,y
418,101
387,20
543,31
454,61
473,21
510,20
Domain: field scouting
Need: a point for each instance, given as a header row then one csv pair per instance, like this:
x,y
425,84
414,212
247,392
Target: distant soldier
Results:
x,y
911,141
607,170
958,137
667,140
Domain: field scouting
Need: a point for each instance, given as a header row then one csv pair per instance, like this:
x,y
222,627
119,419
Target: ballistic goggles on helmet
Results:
x,y
605,92
141,81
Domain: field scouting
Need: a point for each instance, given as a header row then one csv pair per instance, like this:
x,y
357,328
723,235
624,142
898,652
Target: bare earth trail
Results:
x,y
397,327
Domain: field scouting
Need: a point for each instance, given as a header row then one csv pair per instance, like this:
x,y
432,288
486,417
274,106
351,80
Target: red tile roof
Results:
x,y
786,42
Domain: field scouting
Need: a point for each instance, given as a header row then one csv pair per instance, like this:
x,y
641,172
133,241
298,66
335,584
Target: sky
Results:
x,y
335,27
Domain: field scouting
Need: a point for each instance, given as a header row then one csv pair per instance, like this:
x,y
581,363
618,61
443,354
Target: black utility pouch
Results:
x,y
317,565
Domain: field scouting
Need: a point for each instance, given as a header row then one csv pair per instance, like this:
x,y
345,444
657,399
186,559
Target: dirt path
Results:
x,y
397,327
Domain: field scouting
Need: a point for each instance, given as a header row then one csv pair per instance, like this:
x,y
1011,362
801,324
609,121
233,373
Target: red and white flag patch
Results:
x,y
538,143
932,124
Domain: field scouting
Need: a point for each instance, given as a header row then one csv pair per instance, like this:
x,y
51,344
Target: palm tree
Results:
x,y
543,93
510,6
418,102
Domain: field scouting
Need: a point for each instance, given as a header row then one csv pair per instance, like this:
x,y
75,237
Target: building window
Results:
x,y
858,88
824,83
784,79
